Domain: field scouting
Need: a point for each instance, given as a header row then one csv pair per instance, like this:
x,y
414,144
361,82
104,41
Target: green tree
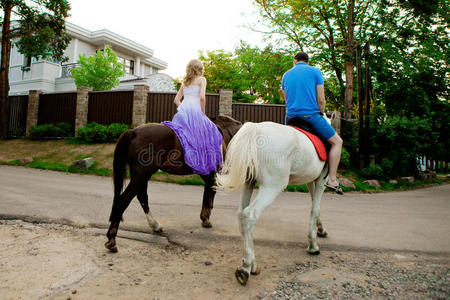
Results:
x,y
252,73
327,29
261,70
101,71
37,28
410,63
222,72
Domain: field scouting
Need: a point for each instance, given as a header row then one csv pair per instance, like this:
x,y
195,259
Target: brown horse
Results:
x,y
147,149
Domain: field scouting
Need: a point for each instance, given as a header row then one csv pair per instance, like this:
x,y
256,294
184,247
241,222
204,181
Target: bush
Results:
x,y
115,130
399,141
93,133
387,165
349,134
373,172
345,159
51,130
98,133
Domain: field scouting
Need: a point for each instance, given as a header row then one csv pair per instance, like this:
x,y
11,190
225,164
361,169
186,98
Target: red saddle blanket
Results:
x,y
320,148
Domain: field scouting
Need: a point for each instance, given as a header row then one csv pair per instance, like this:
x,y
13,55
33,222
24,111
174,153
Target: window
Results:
x,y
26,63
128,65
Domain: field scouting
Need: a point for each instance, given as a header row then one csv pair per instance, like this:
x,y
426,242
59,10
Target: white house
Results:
x,y
140,65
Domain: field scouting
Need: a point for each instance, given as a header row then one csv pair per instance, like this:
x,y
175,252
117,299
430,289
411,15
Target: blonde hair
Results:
x,y
194,69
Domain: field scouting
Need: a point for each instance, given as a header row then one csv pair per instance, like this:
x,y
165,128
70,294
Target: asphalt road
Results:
x,y
417,220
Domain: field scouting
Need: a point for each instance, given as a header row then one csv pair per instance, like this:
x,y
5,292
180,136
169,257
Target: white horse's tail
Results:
x,y
241,163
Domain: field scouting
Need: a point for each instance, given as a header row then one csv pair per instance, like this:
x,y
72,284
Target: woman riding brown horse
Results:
x,y
146,149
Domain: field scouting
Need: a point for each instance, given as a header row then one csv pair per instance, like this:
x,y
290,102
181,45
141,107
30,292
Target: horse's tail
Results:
x,y
120,162
241,163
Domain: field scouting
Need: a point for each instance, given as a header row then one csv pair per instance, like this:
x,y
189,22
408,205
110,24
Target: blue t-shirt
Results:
x,y
300,83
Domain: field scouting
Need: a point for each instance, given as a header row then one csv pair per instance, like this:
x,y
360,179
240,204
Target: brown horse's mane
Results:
x,y
224,118
227,126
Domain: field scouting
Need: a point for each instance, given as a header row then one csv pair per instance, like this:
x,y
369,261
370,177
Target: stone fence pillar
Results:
x,y
82,107
33,108
225,102
140,96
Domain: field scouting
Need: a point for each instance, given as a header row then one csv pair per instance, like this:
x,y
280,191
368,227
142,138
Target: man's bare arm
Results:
x,y
320,95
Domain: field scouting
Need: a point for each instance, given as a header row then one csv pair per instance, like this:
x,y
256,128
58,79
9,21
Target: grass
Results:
x,y
193,179
297,188
360,186
93,170
58,155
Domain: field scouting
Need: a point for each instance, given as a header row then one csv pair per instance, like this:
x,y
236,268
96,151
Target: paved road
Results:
x,y
413,220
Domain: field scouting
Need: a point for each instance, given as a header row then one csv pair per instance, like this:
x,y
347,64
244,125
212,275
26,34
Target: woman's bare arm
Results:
x,y
179,96
203,94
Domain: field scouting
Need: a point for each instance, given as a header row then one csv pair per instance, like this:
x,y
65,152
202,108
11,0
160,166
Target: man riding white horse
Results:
x,y
275,155
305,98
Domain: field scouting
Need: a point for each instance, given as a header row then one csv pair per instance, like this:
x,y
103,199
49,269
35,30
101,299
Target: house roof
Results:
x,y
104,36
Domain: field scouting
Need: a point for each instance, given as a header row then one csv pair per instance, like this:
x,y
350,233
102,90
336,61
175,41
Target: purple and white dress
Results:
x,y
199,137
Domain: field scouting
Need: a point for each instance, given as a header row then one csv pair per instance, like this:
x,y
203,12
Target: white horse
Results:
x,y
273,155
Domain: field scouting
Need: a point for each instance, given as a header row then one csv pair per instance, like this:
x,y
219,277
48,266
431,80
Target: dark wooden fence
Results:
x,y
110,107
258,112
117,107
160,106
212,105
17,111
57,107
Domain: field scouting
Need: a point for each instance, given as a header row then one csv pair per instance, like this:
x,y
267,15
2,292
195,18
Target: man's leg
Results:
x,y
334,158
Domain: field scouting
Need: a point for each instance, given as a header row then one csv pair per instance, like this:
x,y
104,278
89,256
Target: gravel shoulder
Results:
x,y
60,262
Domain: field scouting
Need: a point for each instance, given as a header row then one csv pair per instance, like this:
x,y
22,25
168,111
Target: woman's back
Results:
x,y
191,97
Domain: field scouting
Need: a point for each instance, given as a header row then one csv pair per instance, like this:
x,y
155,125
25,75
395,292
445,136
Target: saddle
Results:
x,y
322,146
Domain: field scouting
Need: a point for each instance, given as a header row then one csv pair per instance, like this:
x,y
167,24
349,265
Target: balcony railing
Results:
x,y
65,71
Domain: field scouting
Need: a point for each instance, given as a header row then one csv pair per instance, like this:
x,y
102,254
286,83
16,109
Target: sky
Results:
x,y
174,29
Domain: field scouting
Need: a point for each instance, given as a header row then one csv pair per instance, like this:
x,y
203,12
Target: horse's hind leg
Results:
x,y
245,201
321,232
143,199
208,199
315,226
119,206
247,219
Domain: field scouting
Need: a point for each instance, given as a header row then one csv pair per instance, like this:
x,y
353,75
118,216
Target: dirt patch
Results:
x,y
36,263
58,262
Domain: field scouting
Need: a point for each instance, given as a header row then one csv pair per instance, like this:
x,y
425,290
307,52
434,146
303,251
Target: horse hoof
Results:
x,y
241,276
323,234
206,224
317,252
159,229
256,272
111,246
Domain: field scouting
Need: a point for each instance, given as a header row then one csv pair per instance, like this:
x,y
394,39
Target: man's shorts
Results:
x,y
318,123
